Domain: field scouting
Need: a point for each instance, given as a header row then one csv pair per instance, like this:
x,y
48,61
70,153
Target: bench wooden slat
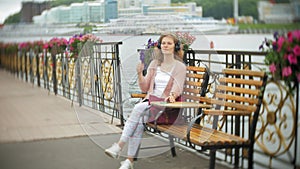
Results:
x,y
201,135
138,95
194,84
238,90
196,68
193,75
260,74
192,91
238,106
227,112
244,99
240,81
190,97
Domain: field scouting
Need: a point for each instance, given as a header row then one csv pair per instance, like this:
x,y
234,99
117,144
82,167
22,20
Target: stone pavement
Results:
x,y
31,113
41,130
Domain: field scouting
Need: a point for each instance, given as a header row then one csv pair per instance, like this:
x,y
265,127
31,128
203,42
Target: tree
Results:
x,y
15,18
248,8
218,9
224,8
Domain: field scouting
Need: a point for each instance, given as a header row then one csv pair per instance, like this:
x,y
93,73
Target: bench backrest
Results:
x,y
195,84
195,87
240,92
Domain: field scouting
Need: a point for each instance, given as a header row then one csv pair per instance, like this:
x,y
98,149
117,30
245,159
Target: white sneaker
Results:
x,y
114,151
127,164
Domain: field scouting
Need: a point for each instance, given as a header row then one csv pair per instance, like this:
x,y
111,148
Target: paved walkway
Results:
x,y
31,113
41,130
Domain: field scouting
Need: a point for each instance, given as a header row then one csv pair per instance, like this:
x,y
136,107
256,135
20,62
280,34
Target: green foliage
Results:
x,y
224,8
218,8
248,8
283,57
282,1
15,18
291,26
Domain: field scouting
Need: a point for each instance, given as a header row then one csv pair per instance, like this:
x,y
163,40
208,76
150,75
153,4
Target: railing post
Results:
x,y
120,105
38,69
26,66
31,55
296,128
78,80
238,118
53,55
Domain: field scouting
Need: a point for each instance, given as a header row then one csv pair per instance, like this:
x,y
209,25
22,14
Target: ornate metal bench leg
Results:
x,y
172,146
250,158
212,159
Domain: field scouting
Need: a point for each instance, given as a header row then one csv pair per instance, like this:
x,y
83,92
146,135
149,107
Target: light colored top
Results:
x,y
175,83
161,80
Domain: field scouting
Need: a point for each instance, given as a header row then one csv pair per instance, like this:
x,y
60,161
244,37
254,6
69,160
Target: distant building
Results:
x,y
187,9
111,10
160,3
123,4
30,9
278,12
104,10
128,3
296,9
85,12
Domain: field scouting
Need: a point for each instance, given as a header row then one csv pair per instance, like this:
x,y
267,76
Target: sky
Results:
x,y
10,7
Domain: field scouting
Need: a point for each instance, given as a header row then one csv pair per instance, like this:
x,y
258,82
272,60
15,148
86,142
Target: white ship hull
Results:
x,y
156,24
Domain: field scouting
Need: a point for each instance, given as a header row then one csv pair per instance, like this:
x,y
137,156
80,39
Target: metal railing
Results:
x,y
276,135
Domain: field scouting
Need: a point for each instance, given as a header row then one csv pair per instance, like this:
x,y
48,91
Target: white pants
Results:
x,y
134,128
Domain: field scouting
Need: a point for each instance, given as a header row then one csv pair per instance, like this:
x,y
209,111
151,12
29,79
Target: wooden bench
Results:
x,y
238,95
195,87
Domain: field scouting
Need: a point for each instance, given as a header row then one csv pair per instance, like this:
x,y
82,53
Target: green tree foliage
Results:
x,y
224,8
15,18
282,1
248,8
218,8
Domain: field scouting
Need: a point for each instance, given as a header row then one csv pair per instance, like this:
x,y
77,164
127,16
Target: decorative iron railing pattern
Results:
x,y
276,136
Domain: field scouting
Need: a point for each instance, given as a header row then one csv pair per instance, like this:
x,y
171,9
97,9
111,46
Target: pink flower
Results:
x,y
290,37
280,42
45,46
296,50
272,68
286,71
285,56
296,34
292,59
298,77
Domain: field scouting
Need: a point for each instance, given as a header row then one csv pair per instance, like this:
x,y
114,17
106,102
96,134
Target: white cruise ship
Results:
x,y
156,24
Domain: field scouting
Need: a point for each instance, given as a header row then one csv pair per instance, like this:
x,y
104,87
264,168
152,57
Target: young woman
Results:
x,y
165,79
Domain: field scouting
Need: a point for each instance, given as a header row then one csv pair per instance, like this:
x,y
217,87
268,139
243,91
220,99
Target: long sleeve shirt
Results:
x,y
175,84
